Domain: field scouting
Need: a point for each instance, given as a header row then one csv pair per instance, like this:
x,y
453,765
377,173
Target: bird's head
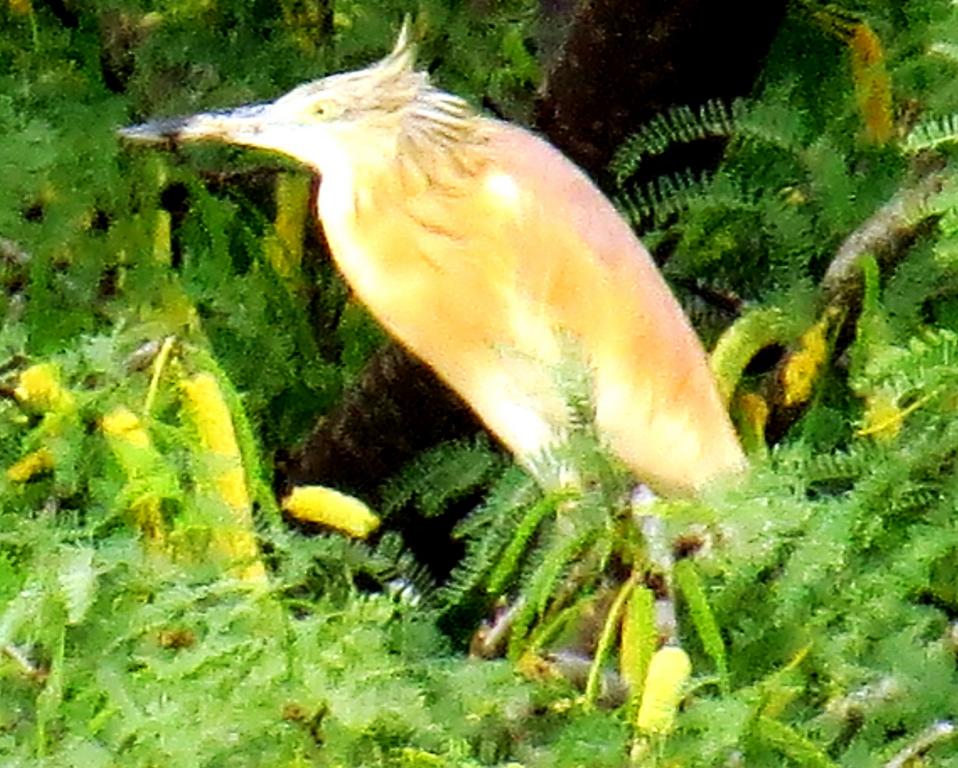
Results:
x,y
371,112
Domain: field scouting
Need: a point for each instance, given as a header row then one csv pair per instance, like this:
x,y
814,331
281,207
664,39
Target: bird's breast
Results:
x,y
341,207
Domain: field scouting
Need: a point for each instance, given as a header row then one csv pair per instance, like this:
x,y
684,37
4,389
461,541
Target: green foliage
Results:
x,y
693,593
679,124
820,594
443,475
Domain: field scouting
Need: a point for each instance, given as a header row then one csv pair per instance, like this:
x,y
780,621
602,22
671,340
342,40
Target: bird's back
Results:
x,y
490,278
656,399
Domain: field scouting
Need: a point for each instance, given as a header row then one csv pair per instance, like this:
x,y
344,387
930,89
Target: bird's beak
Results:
x,y
276,126
247,125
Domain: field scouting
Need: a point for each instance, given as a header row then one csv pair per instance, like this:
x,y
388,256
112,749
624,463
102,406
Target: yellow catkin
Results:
x,y
210,415
129,441
669,671
21,7
752,414
284,247
755,408
30,466
534,667
39,388
316,504
125,433
872,84
122,424
884,417
214,425
209,412
802,368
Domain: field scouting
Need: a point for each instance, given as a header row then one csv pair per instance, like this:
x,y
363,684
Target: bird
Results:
x,y
493,257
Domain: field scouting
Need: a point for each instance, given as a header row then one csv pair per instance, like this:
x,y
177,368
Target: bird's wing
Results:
x,y
579,261
489,278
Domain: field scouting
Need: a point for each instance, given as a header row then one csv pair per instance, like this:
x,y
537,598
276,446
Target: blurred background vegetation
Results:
x,y
173,332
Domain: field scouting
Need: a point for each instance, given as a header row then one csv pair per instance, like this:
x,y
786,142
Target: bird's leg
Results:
x,y
492,637
660,561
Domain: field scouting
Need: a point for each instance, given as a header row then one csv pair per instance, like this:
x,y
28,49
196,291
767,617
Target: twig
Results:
x,y
490,640
885,234
20,658
940,731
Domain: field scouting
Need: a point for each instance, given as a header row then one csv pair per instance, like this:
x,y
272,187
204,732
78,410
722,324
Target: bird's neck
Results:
x,y
430,156
405,160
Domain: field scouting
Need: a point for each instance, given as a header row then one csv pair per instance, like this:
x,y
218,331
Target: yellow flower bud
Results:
x,y
209,412
206,407
669,671
883,417
31,465
316,504
872,85
804,365
39,387
122,424
21,7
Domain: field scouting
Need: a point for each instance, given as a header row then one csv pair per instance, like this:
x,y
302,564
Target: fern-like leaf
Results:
x,y
932,133
693,592
442,475
664,197
679,125
487,532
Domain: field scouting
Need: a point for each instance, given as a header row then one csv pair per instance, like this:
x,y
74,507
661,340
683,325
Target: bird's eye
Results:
x,y
327,110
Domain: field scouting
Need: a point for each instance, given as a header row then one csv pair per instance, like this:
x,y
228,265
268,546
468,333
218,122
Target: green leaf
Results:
x,y
690,586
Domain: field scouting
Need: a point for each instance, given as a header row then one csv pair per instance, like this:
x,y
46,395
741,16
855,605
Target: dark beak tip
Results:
x,y
157,132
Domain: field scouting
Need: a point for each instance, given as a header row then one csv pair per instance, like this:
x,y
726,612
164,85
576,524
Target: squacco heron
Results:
x,y
490,255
